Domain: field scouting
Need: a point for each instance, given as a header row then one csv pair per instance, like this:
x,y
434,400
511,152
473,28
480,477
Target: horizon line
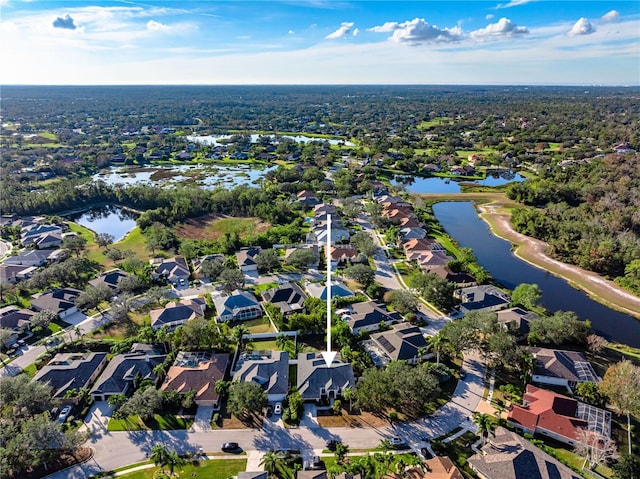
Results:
x,y
581,85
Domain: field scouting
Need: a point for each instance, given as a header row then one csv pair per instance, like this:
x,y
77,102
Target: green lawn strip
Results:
x,y
164,422
213,468
48,135
30,370
264,345
257,325
134,241
434,122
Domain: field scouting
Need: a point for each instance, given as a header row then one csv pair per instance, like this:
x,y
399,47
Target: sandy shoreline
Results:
x,y
533,251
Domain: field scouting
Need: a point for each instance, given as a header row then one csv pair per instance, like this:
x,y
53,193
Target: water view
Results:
x,y
214,140
435,184
205,175
107,219
461,221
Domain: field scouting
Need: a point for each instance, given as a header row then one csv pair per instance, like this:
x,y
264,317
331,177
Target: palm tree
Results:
x,y
437,343
527,365
222,388
160,455
238,334
282,342
422,352
273,462
349,394
173,460
486,425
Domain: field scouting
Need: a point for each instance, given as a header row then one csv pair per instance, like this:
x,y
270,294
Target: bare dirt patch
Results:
x,y
213,227
356,419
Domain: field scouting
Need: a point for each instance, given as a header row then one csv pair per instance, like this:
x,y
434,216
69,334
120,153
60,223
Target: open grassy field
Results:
x,y
214,468
136,242
434,122
212,227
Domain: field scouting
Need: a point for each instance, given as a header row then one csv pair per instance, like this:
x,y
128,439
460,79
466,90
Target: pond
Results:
x,y
106,219
214,139
204,175
461,221
436,184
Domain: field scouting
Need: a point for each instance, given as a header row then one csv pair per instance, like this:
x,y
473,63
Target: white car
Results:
x,y
64,414
277,409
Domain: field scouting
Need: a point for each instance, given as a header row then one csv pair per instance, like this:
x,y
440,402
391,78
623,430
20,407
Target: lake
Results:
x,y
461,221
436,184
204,175
106,219
214,139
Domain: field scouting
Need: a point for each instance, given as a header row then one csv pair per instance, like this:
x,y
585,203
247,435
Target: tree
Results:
x,y
434,289
173,460
23,397
437,344
211,268
596,343
5,336
74,243
364,243
104,239
361,273
486,425
301,258
246,398
595,447
43,318
231,279
526,363
239,334
131,284
526,295
628,466
155,294
351,207
590,393
273,462
160,455
403,301
143,403
562,327
267,260
621,383
341,452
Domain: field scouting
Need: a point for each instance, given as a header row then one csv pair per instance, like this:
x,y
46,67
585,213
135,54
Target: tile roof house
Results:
x,y
421,245
238,306
269,369
246,259
71,371
124,370
60,301
110,278
317,381
402,342
516,320
439,467
199,371
408,233
338,290
509,456
18,321
368,315
177,313
289,298
341,255
482,298
175,270
460,279
556,367
429,260
557,416
308,198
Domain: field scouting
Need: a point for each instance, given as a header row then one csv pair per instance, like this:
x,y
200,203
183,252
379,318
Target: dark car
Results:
x,y
425,453
230,447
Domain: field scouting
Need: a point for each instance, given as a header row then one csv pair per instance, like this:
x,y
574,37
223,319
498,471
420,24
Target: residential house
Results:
x,y
42,236
269,369
324,209
556,367
509,456
368,315
289,298
60,301
111,278
18,321
12,273
28,258
342,255
177,313
246,259
439,467
461,279
339,233
557,416
125,370
409,223
311,247
403,342
338,290
311,474
199,371
482,298
409,233
421,245
317,381
70,372
238,306
307,198
430,260
516,320
197,264
175,270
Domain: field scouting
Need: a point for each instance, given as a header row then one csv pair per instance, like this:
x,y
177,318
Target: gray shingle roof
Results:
x,y
401,342
271,373
314,375
70,371
288,297
370,313
56,301
238,299
569,365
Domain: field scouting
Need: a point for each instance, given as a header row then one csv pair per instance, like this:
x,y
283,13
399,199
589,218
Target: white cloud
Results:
x,y
291,32
343,31
581,27
355,32
155,26
488,16
418,31
65,22
513,3
502,28
612,16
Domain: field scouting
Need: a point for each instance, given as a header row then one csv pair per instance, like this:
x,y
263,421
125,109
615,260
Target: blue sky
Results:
x,y
320,42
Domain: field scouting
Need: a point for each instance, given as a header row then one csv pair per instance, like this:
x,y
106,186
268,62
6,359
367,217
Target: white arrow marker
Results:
x,y
329,355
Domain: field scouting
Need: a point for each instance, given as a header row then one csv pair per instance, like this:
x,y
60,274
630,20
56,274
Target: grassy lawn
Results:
x,y
266,345
93,252
257,325
479,151
459,450
164,422
571,459
212,228
134,241
214,468
435,122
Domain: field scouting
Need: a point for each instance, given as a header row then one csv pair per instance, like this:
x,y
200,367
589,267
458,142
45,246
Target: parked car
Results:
x,y
277,409
462,374
398,443
64,414
230,447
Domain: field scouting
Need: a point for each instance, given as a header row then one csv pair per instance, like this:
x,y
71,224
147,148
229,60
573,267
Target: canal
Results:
x,y
461,221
